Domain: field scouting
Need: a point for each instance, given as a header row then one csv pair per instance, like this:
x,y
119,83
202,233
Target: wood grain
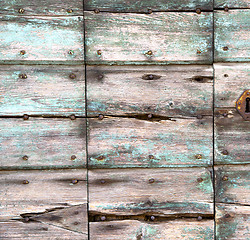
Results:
x,y
232,184
173,37
135,230
174,91
231,137
46,142
159,192
231,80
44,39
42,7
232,222
232,3
144,6
42,90
232,30
129,142
46,191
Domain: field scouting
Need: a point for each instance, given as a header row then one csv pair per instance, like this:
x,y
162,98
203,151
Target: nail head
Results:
x,y
25,117
73,157
100,117
198,10
25,158
72,117
22,52
72,76
151,180
21,10
25,182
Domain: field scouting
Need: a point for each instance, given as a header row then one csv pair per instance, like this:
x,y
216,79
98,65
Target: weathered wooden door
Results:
x,y
118,119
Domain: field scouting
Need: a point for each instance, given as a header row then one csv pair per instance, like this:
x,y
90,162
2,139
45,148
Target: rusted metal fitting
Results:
x,y
151,156
198,10
198,156
198,51
225,178
21,10
225,48
22,52
69,10
100,158
100,117
73,117
73,157
71,52
199,180
74,181
25,182
243,105
25,117
99,52
72,76
226,9
97,11
150,53
25,157
23,76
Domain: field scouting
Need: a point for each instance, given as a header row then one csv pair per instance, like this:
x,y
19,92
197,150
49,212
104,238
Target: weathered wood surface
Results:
x,y
232,222
232,31
44,39
173,91
130,142
231,80
232,4
46,142
145,6
136,230
42,90
128,38
232,184
42,7
159,192
232,136
46,190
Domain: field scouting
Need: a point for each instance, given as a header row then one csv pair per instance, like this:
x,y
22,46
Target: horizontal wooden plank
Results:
x,y
232,222
129,142
27,193
231,137
41,39
42,7
232,3
136,230
232,31
159,192
42,90
175,90
42,142
128,38
144,6
231,80
232,184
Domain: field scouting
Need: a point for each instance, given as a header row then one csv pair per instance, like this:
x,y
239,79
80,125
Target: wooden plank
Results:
x,y
174,90
45,191
232,31
232,222
231,80
136,230
44,39
128,38
232,4
42,142
232,184
42,90
144,6
231,137
42,7
129,142
159,192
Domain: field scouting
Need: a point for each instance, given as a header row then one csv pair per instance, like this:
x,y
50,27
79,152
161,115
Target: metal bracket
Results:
x,y
243,105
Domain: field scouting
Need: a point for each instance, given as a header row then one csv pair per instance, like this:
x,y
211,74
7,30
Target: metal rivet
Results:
x,y
149,53
150,11
72,117
225,48
69,10
151,156
100,77
25,117
152,218
225,178
151,180
102,181
73,157
100,117
100,158
198,10
150,116
225,75
198,156
22,76
22,52
25,158
97,10
199,180
103,218
198,51
70,52
225,152
25,182
199,218
226,9
21,10
199,116
99,52
74,181
72,76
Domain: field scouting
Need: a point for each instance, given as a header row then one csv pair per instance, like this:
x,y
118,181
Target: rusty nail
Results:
x,y
199,180
150,116
227,215
198,156
74,181
198,10
21,10
100,158
100,117
151,180
199,116
151,156
25,182
198,51
100,77
149,53
25,117
73,157
225,178
25,157
150,11
103,218
225,75
70,52
22,52
102,181
99,52
225,48
152,218
225,152
226,9
72,117
97,10
22,76
72,76
69,10
199,218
